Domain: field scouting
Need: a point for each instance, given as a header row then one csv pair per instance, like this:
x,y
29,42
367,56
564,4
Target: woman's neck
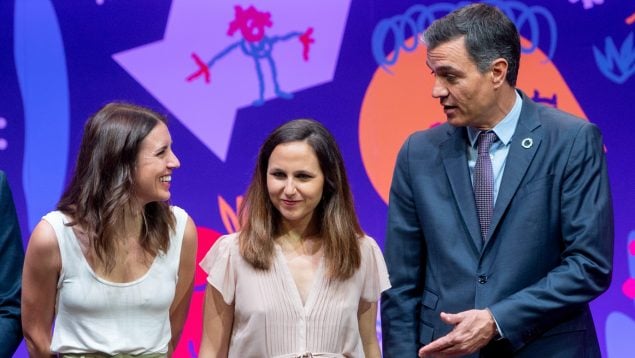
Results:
x,y
301,243
129,223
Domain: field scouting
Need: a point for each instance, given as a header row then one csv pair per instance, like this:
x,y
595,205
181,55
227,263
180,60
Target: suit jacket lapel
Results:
x,y
453,152
518,159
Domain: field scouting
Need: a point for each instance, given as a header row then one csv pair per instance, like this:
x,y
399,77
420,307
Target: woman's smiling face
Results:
x,y
154,166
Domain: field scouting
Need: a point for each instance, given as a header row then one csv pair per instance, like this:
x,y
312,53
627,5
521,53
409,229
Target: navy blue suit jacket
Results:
x,y
549,251
11,260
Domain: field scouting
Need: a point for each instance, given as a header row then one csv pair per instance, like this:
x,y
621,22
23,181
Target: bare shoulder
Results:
x,y
190,235
43,248
190,238
43,238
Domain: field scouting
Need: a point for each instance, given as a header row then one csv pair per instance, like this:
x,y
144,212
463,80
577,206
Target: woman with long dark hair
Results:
x,y
112,269
300,279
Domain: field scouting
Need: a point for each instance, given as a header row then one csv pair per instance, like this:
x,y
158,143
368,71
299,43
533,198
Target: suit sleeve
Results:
x,y
404,249
586,238
12,257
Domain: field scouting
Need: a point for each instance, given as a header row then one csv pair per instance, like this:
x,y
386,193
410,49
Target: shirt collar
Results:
x,y
504,129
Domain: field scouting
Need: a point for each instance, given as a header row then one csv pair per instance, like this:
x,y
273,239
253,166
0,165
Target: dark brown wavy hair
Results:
x,y
335,215
103,182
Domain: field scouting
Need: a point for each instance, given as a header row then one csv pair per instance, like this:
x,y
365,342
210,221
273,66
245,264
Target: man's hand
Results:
x,y
472,330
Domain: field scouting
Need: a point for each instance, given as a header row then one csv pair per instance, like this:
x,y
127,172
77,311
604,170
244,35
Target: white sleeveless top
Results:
x,y
95,315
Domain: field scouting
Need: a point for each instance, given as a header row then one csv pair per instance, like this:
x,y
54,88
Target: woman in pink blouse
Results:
x,y
301,279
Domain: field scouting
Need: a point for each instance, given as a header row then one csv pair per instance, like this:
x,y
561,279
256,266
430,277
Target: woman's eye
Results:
x,y
161,151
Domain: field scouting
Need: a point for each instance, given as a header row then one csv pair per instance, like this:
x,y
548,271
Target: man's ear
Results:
x,y
499,69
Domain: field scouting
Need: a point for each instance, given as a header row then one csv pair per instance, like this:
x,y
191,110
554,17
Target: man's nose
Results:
x,y
438,89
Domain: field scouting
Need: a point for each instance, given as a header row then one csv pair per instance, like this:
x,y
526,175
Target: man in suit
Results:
x,y
11,259
496,254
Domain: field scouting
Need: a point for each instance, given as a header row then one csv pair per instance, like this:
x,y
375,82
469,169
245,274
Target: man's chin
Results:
x,y
455,122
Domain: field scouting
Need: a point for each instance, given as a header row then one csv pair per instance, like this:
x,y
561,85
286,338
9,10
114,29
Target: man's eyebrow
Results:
x,y
445,68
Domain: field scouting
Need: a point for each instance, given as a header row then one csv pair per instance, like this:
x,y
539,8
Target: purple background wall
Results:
x,y
61,60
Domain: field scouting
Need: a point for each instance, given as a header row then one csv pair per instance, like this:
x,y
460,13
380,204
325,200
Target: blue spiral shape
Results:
x,y
397,29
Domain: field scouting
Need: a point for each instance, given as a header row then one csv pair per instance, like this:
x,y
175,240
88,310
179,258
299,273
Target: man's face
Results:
x,y
467,95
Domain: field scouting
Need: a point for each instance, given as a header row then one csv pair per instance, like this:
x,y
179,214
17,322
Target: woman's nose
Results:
x,y
289,187
174,161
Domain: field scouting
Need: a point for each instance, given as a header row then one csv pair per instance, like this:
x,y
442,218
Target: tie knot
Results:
x,y
485,140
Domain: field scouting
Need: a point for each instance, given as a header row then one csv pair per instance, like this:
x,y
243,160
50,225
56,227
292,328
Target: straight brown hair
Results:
x,y
335,216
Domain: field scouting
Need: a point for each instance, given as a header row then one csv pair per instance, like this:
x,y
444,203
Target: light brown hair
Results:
x,y
335,216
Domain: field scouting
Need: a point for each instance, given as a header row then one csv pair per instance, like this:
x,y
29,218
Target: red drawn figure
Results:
x,y
256,44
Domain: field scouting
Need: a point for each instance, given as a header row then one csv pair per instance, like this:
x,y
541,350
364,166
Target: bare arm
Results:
x,y
42,266
218,319
367,320
185,284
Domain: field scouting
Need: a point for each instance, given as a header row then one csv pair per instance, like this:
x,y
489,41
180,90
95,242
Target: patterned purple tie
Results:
x,y
484,182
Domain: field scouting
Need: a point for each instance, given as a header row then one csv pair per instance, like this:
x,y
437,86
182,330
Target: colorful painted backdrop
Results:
x,y
227,72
